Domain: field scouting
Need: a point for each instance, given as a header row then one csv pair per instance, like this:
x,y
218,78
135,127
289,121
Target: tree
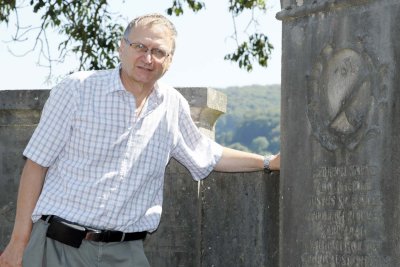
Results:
x,y
256,48
90,30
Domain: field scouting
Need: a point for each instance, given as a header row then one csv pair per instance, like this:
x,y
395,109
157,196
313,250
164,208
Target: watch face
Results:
x,y
266,162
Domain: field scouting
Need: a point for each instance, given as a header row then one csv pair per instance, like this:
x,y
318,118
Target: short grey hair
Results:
x,y
150,20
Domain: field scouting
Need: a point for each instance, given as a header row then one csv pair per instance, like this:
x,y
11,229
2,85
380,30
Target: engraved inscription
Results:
x,y
344,215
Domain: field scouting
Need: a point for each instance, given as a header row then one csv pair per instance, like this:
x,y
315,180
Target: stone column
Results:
x,y
340,133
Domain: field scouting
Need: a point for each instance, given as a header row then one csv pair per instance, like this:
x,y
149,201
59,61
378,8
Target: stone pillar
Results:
x,y
206,105
340,133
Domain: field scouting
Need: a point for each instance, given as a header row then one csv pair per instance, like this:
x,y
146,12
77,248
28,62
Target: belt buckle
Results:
x,y
93,235
103,236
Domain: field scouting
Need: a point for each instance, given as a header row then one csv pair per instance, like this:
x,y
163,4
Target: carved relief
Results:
x,y
341,97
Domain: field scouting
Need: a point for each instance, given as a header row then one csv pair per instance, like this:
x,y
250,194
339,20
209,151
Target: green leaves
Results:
x,y
177,8
88,29
6,7
238,6
91,29
256,49
38,5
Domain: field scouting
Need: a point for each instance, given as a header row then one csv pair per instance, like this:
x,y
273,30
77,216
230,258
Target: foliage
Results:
x,y
252,120
258,49
6,6
89,30
177,8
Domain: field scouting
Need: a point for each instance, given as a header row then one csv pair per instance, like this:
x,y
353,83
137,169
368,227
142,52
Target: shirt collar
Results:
x,y
116,83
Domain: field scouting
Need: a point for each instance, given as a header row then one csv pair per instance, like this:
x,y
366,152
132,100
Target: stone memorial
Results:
x,y
340,133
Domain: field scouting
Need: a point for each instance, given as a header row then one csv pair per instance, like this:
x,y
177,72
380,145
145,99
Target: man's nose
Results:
x,y
148,56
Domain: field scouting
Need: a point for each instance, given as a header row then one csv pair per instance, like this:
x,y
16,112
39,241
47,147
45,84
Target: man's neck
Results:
x,y
139,90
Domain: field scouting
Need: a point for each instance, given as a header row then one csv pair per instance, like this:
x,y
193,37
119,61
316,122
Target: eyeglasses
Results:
x,y
157,53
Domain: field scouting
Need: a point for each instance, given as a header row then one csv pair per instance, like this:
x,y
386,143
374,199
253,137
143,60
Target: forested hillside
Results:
x,y
252,120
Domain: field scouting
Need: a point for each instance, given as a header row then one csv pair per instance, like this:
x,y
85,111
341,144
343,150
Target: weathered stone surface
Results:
x,y
206,105
340,133
177,239
19,115
240,220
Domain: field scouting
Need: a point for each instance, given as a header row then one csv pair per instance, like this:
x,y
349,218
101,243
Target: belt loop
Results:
x,y
123,236
48,218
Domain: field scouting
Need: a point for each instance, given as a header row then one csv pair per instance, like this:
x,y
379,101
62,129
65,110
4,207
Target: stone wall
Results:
x,y
225,220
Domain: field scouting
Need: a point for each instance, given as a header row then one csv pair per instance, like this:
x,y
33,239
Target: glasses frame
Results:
x,y
143,49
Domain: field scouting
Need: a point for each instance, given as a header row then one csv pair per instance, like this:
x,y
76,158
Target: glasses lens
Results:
x,y
141,48
158,53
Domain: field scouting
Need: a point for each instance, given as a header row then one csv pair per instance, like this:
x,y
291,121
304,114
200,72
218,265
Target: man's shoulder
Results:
x,y
171,92
82,82
89,76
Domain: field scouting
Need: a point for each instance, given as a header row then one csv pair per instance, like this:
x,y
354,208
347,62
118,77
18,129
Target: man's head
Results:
x,y
146,49
154,19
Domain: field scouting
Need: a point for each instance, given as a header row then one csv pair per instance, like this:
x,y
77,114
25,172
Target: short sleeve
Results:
x,y
194,150
54,128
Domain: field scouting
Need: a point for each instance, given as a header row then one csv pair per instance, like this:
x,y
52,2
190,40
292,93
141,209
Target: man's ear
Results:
x,y
167,63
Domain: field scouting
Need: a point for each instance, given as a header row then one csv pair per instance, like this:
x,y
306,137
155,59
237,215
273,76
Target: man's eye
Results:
x,y
158,53
141,47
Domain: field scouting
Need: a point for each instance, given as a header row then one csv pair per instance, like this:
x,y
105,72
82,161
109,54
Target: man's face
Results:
x,y
141,67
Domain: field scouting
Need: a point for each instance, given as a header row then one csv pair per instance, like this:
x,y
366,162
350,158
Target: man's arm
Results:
x,y
30,186
239,161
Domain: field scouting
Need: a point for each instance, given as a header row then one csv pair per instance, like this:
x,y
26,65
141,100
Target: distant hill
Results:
x,y
252,120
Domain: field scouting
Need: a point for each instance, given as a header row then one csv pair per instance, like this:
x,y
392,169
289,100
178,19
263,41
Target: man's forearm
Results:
x,y
30,186
238,161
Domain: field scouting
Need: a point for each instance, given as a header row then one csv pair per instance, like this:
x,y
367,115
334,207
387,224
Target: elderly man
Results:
x,y
92,185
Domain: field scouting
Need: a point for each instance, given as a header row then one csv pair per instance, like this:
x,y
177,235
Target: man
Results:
x,y
92,185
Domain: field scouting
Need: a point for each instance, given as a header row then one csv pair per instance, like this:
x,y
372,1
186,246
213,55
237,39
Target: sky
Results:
x,y
204,38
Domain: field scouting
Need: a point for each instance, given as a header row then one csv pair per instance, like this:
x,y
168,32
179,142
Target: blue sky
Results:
x,y
203,40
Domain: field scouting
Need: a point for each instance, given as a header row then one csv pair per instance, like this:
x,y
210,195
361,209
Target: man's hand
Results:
x,y
238,161
30,186
12,255
275,163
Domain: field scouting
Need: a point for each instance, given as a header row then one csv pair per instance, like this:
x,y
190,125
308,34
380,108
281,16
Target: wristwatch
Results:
x,y
267,160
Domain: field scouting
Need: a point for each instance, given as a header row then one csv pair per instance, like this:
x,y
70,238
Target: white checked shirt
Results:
x,y
106,166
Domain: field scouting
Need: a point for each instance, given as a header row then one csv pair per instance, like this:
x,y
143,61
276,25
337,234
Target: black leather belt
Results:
x,y
72,234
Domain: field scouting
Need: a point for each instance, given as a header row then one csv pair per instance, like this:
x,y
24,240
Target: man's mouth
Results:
x,y
145,68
